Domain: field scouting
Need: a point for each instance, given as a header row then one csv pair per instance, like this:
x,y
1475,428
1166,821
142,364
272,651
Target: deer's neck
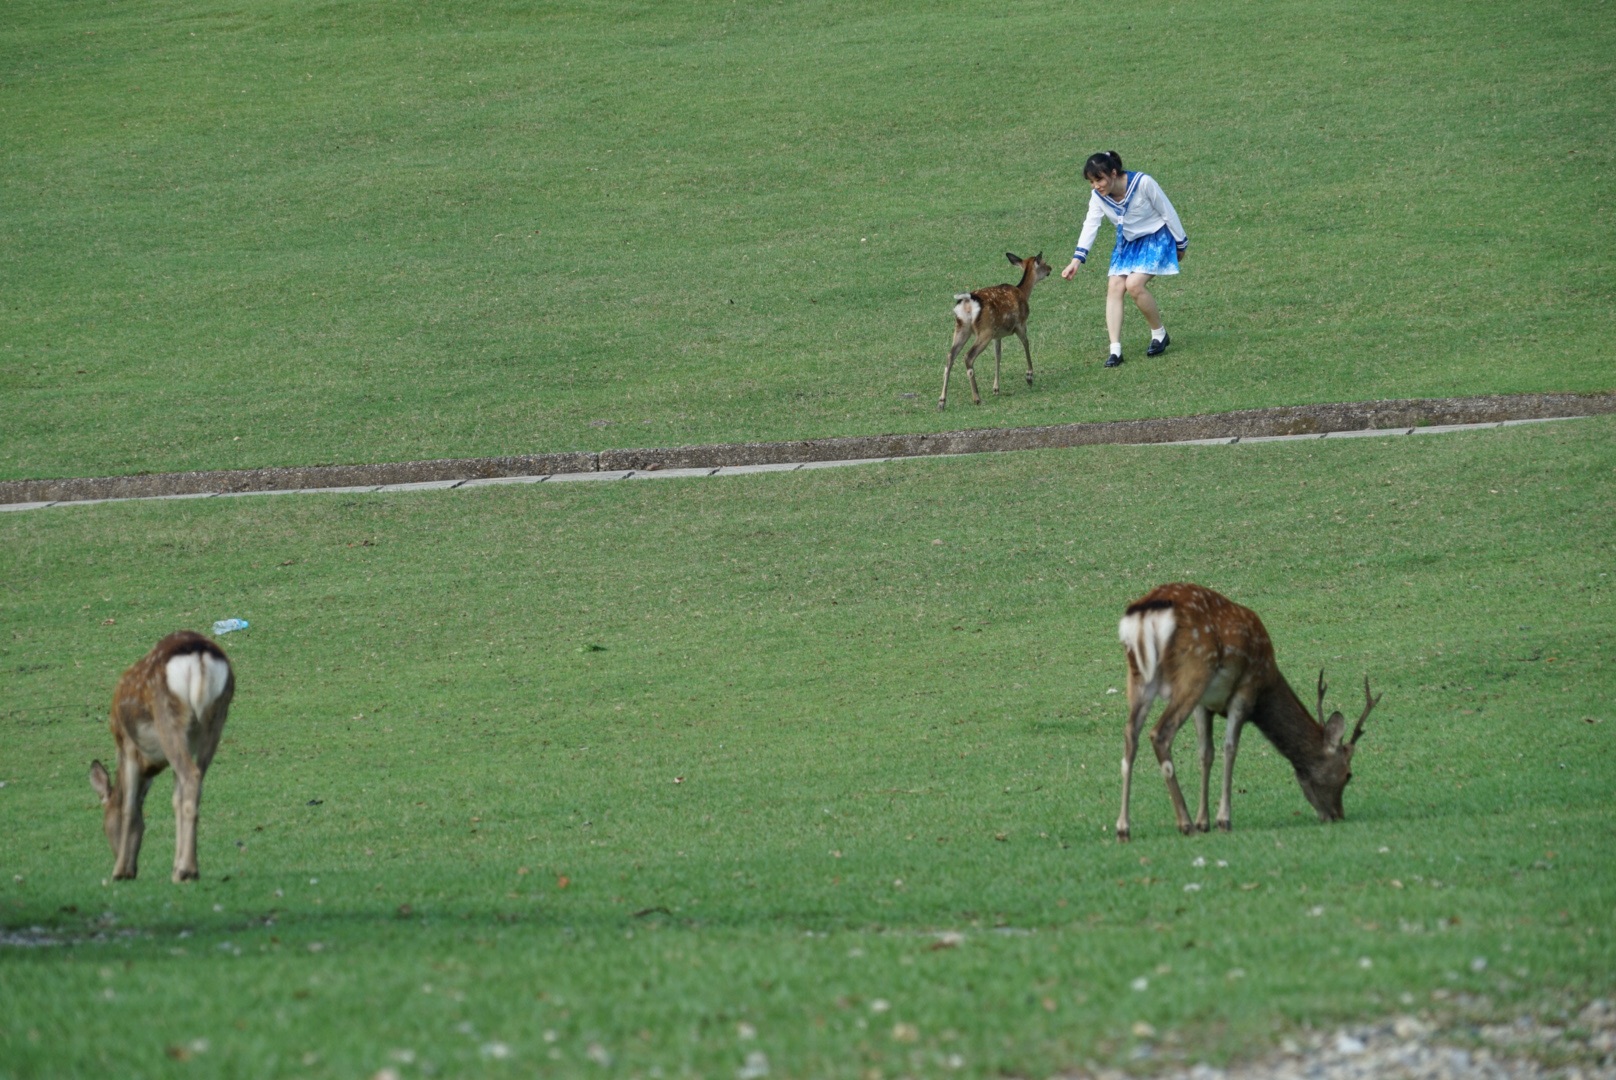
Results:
x,y
1028,280
1280,715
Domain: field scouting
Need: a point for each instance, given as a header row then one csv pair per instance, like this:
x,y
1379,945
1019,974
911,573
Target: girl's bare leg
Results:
x,y
1136,287
1115,288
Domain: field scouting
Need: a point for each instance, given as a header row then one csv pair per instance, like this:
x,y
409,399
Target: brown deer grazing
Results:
x,y
993,314
1203,654
168,709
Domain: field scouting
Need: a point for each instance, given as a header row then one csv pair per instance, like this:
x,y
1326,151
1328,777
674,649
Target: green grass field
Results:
x,y
811,773
291,233
643,778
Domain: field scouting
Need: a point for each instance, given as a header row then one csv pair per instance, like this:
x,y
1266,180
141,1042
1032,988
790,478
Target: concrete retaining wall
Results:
x,y
1246,423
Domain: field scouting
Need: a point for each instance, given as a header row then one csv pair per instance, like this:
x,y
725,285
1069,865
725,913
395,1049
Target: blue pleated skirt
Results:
x,y
1153,254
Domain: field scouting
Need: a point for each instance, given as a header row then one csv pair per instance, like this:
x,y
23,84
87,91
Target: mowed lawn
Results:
x,y
651,778
292,233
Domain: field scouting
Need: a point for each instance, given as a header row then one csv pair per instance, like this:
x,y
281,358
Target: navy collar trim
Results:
x,y
1133,184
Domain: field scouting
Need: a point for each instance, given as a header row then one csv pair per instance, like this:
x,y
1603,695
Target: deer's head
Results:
x,y
1036,265
111,803
1324,780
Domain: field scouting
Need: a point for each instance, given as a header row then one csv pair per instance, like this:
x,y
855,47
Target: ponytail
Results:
x,y
1106,163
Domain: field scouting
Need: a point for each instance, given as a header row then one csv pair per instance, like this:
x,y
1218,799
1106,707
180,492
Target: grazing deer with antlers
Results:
x,y
1203,654
991,315
169,709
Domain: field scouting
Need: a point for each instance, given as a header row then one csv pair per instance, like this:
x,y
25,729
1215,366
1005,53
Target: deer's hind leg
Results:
x,y
970,369
173,732
1161,740
212,732
1139,702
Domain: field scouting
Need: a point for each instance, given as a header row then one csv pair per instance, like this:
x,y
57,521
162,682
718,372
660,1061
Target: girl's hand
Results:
x,y
1071,270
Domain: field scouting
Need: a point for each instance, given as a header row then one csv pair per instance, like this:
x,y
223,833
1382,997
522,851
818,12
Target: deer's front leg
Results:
x,y
1028,350
1231,746
1130,746
1161,739
1203,735
997,346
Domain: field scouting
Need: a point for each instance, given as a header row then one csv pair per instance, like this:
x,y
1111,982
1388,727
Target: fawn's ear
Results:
x,y
1013,257
100,781
1334,729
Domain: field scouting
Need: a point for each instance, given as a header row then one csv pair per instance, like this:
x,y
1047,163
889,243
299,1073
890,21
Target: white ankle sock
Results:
x,y
1116,348
1159,333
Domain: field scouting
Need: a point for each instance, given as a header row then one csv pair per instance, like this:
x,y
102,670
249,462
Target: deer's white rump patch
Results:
x,y
197,679
967,309
1145,635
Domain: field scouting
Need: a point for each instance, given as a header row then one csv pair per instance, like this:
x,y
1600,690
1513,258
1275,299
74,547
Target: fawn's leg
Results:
x,y
1022,332
996,345
961,333
970,369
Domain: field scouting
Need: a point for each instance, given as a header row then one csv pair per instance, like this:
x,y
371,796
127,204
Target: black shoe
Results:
x,y
1114,360
1159,347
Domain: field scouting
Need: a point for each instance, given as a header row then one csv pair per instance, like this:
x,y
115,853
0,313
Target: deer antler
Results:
x,y
1370,703
1322,688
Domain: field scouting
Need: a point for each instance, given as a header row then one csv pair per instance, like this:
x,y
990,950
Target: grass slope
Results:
x,y
659,775
297,233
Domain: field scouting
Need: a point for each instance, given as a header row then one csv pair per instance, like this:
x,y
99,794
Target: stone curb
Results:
x,y
293,478
1288,420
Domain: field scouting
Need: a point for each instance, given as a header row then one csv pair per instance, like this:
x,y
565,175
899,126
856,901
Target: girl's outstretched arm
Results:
x,y
1091,229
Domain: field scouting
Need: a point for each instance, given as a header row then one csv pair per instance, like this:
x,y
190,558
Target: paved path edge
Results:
x,y
1245,423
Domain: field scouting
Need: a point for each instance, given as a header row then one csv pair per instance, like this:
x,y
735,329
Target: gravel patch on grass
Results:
x,y
1577,1044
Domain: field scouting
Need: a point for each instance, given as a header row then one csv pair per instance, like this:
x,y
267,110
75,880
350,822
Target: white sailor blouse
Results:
x,y
1142,210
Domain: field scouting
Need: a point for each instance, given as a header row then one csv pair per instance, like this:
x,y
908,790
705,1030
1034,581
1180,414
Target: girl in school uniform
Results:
x,y
1150,241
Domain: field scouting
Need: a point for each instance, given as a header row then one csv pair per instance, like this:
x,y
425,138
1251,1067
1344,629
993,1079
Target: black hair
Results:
x,y
1106,163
